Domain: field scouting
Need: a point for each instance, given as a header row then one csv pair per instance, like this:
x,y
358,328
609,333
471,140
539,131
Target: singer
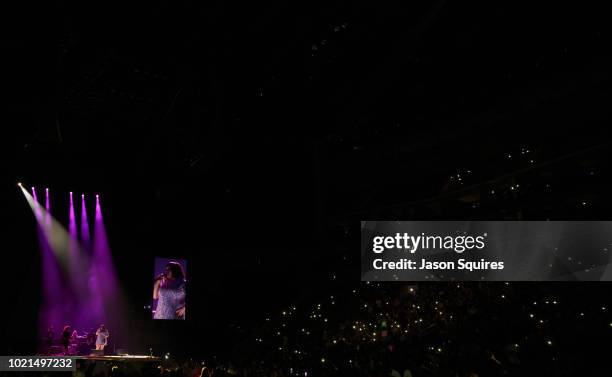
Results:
x,y
169,291
102,335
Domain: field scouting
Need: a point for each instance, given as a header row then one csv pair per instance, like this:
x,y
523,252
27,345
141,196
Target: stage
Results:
x,y
141,358
127,364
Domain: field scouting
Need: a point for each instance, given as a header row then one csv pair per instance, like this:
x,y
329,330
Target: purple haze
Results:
x,y
83,292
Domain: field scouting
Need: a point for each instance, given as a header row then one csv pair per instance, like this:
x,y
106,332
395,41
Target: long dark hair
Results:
x,y
177,270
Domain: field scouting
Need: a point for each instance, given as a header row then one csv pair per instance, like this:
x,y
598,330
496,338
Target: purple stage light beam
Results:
x,y
77,261
85,236
91,309
72,230
37,210
56,235
52,312
72,227
47,217
104,278
102,253
47,201
67,298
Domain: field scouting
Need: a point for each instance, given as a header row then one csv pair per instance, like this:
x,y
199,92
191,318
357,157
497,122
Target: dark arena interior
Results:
x,y
193,175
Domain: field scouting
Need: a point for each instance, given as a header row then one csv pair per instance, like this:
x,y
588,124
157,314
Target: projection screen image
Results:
x,y
169,289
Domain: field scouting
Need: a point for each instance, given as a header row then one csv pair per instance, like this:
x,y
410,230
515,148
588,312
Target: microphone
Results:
x,y
160,276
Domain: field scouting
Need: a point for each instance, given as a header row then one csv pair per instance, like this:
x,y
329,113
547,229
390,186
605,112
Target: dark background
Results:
x,y
251,138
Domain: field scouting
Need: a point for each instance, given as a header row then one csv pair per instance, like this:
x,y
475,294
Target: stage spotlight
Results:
x,y
84,224
33,188
19,184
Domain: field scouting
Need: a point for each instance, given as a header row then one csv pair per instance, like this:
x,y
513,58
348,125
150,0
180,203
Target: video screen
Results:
x,y
169,289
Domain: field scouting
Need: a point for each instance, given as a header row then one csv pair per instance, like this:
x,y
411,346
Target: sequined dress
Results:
x,y
101,337
171,296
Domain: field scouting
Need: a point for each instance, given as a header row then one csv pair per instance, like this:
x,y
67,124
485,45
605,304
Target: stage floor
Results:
x,y
127,365
118,358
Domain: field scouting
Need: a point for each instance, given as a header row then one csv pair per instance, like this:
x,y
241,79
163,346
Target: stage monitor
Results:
x,y
169,289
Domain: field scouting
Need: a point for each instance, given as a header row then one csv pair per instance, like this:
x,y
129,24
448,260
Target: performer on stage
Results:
x,y
101,338
169,290
66,333
74,337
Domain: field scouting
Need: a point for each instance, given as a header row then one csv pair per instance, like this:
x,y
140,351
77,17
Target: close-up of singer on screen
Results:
x,y
169,292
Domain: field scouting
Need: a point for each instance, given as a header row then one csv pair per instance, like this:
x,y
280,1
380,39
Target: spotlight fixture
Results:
x,y
19,184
